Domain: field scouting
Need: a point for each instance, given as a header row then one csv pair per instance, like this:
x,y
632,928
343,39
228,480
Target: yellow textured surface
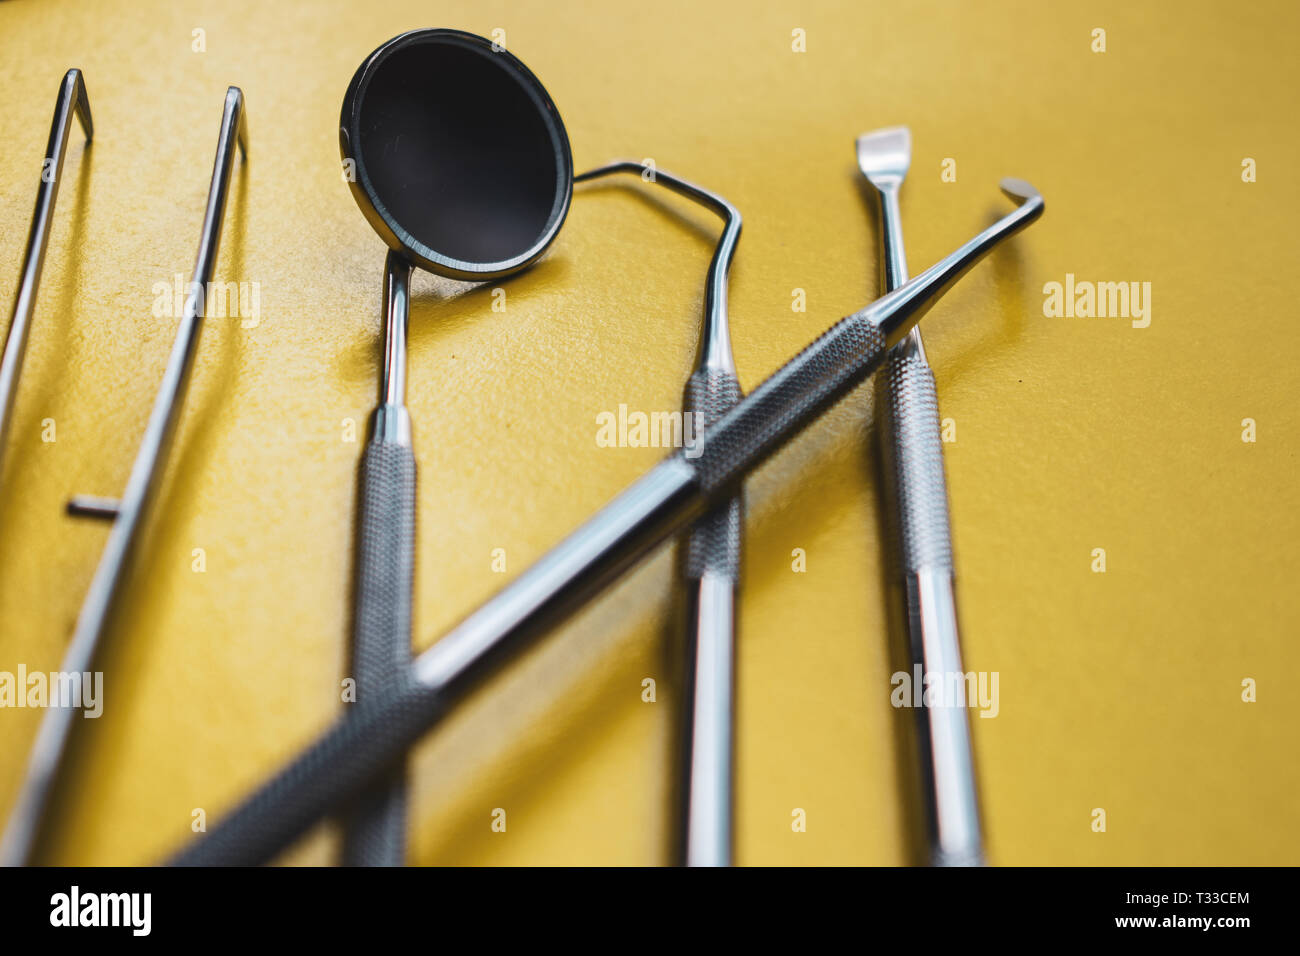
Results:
x,y
1119,690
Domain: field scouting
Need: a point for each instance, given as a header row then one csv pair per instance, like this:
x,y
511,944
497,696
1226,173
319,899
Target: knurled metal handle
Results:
x,y
921,498
918,463
342,762
375,826
714,541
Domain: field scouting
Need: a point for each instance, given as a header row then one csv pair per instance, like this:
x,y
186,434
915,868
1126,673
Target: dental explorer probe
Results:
x,y
712,566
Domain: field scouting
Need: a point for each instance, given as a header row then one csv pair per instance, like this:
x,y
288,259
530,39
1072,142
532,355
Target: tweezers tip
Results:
x,y
235,101
74,82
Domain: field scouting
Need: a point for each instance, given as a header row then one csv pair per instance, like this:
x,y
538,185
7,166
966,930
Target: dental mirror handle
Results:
x,y
920,498
712,576
374,831
374,736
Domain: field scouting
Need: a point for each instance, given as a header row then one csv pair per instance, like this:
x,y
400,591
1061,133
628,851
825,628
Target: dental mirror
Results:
x,y
459,160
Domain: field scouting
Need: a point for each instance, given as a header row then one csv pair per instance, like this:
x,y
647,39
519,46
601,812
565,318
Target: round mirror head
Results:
x,y
459,159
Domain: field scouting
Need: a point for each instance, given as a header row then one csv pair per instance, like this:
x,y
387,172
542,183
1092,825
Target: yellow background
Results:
x,y
1118,690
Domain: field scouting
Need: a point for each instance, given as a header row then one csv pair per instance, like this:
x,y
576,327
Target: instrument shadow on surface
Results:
x,y
530,733
800,501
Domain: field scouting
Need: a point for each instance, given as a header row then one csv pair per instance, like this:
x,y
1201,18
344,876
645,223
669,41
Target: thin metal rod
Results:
x,y
72,99
391,422
397,310
51,740
94,506
896,259
707,828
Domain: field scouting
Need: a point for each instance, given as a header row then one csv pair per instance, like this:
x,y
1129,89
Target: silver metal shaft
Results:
x,y
72,99
391,422
128,518
709,787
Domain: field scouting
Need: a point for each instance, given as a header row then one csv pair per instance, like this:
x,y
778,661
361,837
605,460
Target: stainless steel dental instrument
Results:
x,y
920,498
128,514
72,100
712,566
462,198
373,737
